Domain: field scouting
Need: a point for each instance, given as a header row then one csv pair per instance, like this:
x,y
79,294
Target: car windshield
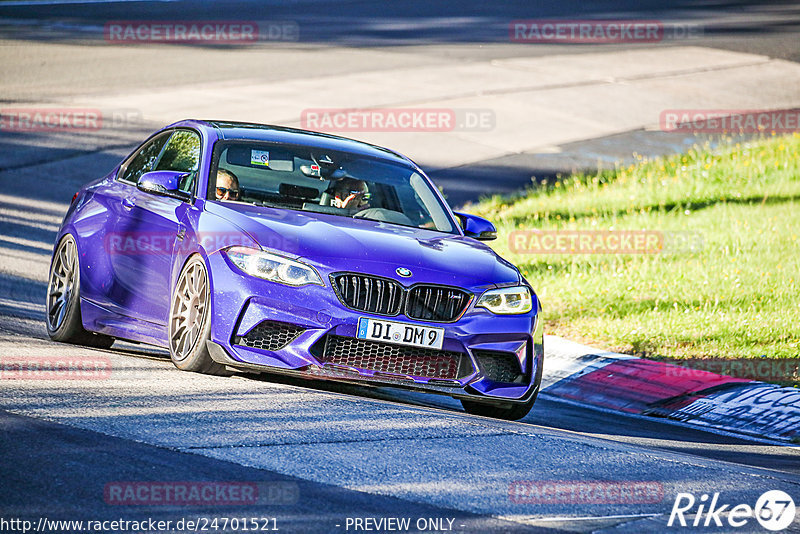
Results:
x,y
324,181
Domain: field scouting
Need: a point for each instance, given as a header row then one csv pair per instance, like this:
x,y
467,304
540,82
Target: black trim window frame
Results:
x,y
168,134
124,166
199,155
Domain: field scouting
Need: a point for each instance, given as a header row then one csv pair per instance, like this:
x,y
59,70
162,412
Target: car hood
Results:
x,y
332,243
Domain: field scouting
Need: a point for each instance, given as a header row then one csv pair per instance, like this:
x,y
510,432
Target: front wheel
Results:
x,y
64,322
509,412
190,321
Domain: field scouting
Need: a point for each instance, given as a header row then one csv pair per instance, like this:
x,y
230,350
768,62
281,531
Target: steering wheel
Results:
x,y
384,215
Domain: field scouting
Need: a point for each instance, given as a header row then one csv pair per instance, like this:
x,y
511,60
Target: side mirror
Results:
x,y
163,183
477,227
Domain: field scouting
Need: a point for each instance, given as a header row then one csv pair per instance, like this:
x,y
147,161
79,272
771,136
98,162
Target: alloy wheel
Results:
x,y
188,310
63,280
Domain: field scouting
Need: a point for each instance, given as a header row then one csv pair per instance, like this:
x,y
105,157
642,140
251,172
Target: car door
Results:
x,y
111,204
153,225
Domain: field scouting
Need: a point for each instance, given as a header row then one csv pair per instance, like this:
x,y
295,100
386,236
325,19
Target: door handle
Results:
x,y
128,203
181,233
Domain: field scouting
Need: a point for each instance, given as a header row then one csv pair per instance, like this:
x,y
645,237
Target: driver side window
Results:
x,y
182,153
143,161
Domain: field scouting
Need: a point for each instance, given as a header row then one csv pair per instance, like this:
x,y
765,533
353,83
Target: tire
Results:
x,y
509,412
190,321
62,305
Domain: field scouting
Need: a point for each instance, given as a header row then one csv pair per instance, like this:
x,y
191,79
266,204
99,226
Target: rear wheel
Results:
x,y
190,321
63,299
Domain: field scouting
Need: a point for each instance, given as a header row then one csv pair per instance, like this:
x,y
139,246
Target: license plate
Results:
x,y
400,333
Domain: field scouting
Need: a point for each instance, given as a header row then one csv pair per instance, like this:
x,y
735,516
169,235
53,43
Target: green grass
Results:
x,y
736,296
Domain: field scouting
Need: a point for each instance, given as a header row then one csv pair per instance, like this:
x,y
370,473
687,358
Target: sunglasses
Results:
x,y
362,194
221,191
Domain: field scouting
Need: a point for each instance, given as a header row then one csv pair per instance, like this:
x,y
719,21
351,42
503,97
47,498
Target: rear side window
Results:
x,y
182,153
143,160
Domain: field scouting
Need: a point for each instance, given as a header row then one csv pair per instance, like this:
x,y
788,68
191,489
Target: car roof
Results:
x,y
227,130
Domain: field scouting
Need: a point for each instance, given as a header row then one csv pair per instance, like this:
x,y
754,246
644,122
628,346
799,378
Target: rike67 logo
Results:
x,y
774,510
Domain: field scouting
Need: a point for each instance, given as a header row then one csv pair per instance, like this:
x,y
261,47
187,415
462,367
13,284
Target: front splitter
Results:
x,y
343,374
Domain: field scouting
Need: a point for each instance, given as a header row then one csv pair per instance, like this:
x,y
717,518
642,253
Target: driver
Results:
x,y
350,193
227,185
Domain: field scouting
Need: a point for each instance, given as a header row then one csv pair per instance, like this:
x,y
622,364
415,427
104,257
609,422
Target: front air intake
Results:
x,y
394,359
270,335
499,366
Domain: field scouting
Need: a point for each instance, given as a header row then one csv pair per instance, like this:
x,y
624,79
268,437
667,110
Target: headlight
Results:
x,y
271,267
506,301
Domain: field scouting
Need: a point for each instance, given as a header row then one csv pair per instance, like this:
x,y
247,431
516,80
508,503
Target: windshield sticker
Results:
x,y
259,157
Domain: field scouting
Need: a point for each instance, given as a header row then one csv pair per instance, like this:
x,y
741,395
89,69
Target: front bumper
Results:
x,y
307,321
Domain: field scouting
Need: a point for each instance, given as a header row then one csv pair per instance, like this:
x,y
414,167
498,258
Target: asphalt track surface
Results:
x,y
331,452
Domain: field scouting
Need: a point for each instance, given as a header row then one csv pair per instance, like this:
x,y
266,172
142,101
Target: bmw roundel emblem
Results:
x,y
402,271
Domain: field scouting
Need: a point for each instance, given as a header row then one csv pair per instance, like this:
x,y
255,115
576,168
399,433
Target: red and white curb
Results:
x,y
633,385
